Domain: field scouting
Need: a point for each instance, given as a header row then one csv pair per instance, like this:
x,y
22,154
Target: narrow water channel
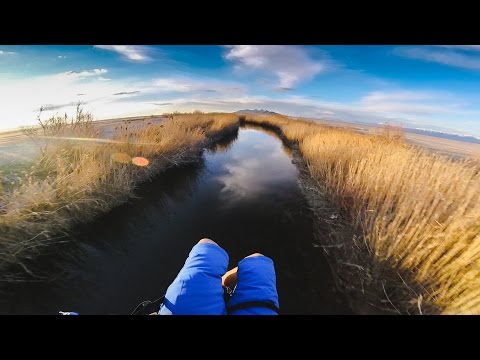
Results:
x,y
244,194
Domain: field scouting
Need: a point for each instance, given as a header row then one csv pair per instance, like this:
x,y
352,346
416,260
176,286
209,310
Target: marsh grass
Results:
x,y
80,175
413,213
417,212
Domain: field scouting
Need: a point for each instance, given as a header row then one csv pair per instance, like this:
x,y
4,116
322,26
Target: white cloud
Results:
x,y
189,85
405,102
21,99
129,52
429,109
244,177
462,47
448,56
290,64
397,96
7,52
108,99
62,56
86,73
176,84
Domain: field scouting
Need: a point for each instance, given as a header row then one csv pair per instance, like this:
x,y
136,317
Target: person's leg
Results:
x,y
197,289
256,289
230,278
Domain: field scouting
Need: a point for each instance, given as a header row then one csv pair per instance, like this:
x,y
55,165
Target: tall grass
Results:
x,y
80,175
418,211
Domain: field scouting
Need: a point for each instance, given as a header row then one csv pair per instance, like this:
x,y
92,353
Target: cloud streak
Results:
x,y
184,84
127,92
289,64
188,92
404,102
128,52
462,47
53,107
448,56
87,73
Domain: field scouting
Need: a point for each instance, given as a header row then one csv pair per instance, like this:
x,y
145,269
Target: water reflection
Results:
x,y
245,174
285,148
85,270
243,194
224,144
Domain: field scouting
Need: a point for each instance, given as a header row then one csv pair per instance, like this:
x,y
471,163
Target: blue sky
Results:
x,y
433,87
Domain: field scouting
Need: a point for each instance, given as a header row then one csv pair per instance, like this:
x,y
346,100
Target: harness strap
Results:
x,y
147,307
249,304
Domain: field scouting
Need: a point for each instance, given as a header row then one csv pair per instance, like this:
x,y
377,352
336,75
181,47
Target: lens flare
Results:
x,y
121,158
140,161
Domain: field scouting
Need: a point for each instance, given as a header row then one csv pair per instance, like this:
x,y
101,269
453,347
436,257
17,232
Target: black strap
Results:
x,y
249,304
147,307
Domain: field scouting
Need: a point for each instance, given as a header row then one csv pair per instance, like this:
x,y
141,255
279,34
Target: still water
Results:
x,y
244,194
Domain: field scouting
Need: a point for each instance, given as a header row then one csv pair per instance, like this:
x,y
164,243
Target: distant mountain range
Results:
x,y
445,135
256,112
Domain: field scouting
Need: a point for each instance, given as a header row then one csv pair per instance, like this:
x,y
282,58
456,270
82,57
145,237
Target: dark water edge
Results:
x,y
243,192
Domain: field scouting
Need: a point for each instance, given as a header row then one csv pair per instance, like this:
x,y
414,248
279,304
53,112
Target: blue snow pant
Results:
x,y
197,289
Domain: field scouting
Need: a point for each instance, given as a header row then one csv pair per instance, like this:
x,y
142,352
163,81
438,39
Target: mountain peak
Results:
x,y
256,112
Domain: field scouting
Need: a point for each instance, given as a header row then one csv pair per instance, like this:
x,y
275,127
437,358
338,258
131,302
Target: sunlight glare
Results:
x,y
140,161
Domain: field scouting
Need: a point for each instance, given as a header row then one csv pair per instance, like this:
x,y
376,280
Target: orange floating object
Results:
x,y
121,158
140,161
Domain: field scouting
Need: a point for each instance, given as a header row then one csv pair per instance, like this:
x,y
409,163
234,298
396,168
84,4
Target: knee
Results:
x,y
254,254
207,241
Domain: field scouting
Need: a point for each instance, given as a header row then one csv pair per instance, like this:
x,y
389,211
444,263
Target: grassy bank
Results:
x,y
416,212
80,175
415,215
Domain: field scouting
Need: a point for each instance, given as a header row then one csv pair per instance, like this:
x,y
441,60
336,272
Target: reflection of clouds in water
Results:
x,y
257,172
280,148
262,146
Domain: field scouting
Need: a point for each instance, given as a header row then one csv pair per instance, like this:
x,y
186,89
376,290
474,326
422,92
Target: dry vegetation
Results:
x,y
417,212
79,175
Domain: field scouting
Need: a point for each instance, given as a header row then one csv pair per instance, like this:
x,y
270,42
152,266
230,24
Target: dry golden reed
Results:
x,y
418,210
80,175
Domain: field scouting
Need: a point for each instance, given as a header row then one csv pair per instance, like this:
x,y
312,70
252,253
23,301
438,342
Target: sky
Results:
x,y
433,87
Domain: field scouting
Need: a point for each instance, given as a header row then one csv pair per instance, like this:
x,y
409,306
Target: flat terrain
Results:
x,y
445,146
434,144
106,127
15,147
